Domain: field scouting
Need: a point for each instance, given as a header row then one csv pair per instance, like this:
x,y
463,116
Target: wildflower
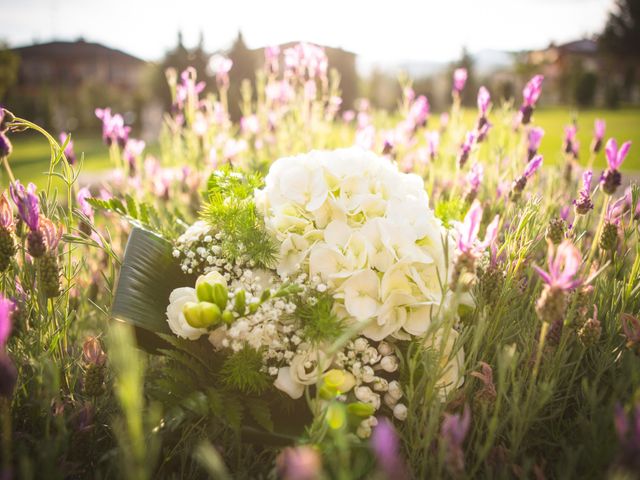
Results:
x,y
419,112
221,66
86,209
444,121
518,185
571,145
5,145
95,358
8,372
583,204
609,235
469,247
559,280
628,432
534,138
459,79
48,268
299,463
530,94
590,332
132,151
7,227
631,330
113,129
386,448
556,230
611,177
433,142
271,59
68,149
487,394
474,179
465,148
453,432
598,135
484,100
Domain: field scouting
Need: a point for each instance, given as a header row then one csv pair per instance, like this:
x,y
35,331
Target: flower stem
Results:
x,y
594,242
5,161
543,336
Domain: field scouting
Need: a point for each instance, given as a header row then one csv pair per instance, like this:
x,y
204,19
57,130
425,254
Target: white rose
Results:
x,y
177,323
287,384
307,367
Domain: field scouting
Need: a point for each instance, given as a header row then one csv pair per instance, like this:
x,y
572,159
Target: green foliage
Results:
x,y
142,214
231,210
450,210
319,322
242,371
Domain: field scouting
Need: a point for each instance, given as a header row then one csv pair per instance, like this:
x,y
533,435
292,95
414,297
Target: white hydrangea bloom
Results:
x,y
352,219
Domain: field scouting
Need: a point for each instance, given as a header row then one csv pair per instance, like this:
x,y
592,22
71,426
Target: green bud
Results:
x,y
265,295
253,307
193,314
241,302
327,393
227,317
220,295
336,416
210,313
201,314
360,409
204,291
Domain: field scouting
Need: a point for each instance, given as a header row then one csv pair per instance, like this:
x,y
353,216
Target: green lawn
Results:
x,y
31,152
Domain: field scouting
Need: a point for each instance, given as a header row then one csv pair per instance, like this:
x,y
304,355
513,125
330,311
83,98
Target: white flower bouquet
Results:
x,y
309,285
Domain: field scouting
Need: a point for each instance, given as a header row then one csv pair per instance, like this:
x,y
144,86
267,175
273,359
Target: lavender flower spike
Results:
x,y
6,309
598,135
386,447
531,94
583,204
534,137
28,204
563,267
611,178
459,80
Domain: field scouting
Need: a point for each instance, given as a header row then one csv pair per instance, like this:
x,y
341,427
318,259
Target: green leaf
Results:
x,y
148,275
260,412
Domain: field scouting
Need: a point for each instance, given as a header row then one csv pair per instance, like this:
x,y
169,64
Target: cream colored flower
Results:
x,y
177,323
450,363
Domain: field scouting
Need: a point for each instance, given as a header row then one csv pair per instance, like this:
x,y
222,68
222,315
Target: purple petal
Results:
x,y
611,152
6,309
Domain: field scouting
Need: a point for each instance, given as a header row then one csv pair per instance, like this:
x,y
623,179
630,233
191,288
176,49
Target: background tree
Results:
x,y
621,35
9,63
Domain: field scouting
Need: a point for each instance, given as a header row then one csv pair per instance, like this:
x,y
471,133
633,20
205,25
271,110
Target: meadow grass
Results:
x,y
31,158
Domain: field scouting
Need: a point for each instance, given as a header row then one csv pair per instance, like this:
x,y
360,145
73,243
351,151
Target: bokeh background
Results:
x,y
59,60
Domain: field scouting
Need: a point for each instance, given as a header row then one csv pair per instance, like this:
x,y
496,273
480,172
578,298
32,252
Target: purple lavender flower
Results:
x,y
28,204
521,182
531,94
484,99
483,131
113,129
51,233
583,204
299,463
7,307
628,432
419,112
433,142
459,80
68,150
598,135
474,179
5,146
132,151
85,206
611,178
6,214
453,432
563,267
271,59
534,137
631,330
386,447
465,148
571,145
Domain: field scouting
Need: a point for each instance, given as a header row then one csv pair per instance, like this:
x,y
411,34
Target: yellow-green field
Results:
x,y
31,152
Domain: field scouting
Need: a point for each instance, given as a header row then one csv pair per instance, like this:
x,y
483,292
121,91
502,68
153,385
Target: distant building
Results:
x,y
73,63
60,83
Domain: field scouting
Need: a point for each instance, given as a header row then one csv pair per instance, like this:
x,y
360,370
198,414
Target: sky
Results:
x,y
378,31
